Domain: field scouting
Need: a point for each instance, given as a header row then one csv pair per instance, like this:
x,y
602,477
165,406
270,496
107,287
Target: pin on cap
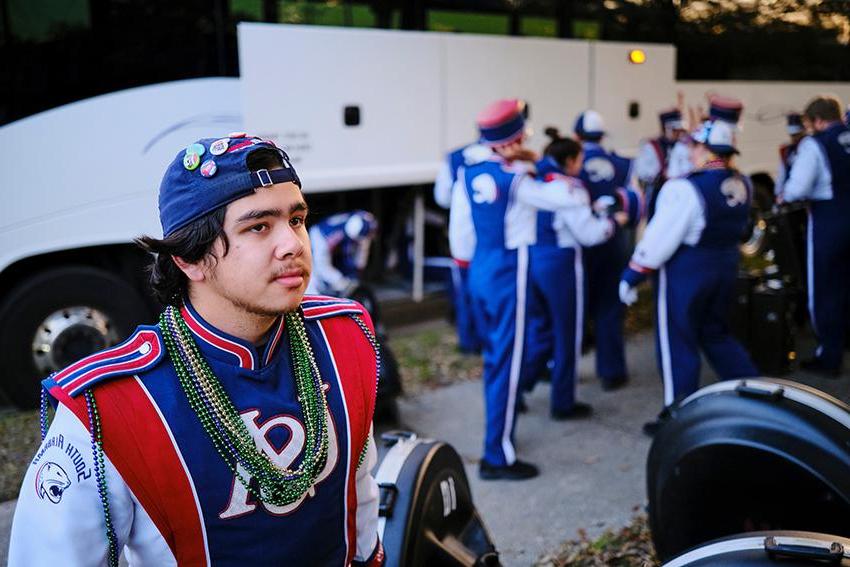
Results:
x,y
196,148
219,146
191,161
208,168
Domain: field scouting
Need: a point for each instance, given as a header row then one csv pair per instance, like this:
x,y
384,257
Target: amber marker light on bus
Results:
x,y
637,56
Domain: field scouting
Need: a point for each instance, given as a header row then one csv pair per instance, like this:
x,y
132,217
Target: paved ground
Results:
x,y
592,471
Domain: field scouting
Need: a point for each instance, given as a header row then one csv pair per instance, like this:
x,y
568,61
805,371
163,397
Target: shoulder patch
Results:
x,y
323,306
141,351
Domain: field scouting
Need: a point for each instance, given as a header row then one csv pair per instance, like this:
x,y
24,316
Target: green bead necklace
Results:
x,y
277,485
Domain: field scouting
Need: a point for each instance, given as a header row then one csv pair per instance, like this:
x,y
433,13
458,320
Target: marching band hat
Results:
x,y
502,122
718,135
213,172
794,123
671,118
725,108
360,224
589,125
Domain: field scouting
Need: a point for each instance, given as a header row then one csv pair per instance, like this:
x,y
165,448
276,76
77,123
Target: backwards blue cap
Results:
x,y
211,173
589,126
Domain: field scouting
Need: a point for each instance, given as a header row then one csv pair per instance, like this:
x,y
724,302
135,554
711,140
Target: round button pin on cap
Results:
x,y
196,148
208,168
191,161
219,146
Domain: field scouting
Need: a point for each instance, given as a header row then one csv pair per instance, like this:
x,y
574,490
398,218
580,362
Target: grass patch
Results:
x,y
628,547
640,316
20,437
429,358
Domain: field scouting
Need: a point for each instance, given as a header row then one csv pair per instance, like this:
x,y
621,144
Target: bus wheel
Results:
x,y
58,316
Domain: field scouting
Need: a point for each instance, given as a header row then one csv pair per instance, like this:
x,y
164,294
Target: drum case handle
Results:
x,y
832,555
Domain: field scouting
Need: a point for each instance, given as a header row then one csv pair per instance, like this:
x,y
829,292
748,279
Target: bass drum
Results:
x,y
427,517
769,549
747,455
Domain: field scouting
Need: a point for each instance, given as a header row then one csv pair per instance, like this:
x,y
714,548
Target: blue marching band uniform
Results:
x,y
788,152
492,224
692,242
556,288
344,237
821,175
469,331
604,176
657,157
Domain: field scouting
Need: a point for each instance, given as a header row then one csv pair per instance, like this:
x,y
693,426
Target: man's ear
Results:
x,y
195,272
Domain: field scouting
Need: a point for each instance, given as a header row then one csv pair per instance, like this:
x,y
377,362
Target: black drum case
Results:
x,y
746,455
427,517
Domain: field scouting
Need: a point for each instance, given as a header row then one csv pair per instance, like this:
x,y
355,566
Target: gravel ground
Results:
x,y
19,439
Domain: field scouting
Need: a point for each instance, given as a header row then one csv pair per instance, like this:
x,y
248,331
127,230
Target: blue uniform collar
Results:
x,y
222,346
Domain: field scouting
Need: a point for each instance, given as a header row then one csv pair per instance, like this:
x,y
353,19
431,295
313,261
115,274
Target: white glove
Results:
x,y
603,204
628,294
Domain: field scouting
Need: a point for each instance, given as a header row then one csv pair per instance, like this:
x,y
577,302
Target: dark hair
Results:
x,y
193,242
561,149
825,107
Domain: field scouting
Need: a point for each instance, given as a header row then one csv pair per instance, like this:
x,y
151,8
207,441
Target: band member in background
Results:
x,y
692,241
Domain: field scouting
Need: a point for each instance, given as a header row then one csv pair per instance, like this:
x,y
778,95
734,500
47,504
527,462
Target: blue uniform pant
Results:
x,y
555,298
694,293
604,265
498,284
829,278
538,342
468,338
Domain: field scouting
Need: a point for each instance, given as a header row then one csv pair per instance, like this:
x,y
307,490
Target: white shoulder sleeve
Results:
x,y
59,518
579,219
679,164
324,272
367,503
443,186
544,195
805,170
461,228
646,165
677,212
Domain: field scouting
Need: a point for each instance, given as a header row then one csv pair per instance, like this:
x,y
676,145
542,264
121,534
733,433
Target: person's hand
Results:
x,y
621,218
628,294
518,152
603,204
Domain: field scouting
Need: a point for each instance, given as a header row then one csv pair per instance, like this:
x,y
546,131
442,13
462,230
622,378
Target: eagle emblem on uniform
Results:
x,y
599,169
51,481
735,191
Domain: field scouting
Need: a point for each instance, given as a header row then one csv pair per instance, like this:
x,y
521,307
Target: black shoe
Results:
x,y
816,366
615,383
579,411
518,471
651,427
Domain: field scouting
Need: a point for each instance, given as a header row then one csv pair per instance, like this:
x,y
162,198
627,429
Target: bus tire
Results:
x,y
55,317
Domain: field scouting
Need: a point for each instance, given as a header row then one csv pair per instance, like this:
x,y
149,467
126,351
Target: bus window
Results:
x,y
44,20
539,27
470,22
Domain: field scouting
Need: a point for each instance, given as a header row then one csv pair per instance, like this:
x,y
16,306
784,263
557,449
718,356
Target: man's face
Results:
x,y
267,266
